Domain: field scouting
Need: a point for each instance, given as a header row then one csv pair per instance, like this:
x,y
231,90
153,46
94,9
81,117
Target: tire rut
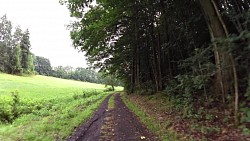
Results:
x,y
90,131
118,124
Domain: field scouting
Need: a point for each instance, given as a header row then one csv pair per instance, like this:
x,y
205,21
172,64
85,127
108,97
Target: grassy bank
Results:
x,y
153,123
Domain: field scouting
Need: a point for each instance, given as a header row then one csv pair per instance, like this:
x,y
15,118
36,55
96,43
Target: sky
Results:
x,y
46,21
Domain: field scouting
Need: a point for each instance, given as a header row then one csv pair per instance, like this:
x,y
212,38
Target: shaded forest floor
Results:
x,y
113,123
210,124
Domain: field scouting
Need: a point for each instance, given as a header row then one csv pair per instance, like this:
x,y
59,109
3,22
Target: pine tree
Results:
x,y
25,53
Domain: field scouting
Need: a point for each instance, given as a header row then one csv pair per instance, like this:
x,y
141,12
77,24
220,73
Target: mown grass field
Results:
x,y
45,108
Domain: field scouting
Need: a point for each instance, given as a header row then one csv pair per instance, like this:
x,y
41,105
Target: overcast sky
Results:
x,y
46,21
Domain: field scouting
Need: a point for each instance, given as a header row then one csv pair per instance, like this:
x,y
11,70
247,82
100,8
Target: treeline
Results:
x,y
191,50
43,67
16,58
15,55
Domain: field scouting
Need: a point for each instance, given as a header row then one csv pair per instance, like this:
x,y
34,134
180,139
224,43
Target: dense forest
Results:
x,y
195,51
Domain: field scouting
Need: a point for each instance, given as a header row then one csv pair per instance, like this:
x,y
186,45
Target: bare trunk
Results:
x,y
218,30
236,97
159,63
224,60
154,74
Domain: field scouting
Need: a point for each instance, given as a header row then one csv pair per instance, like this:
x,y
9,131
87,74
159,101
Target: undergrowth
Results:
x,y
193,121
54,119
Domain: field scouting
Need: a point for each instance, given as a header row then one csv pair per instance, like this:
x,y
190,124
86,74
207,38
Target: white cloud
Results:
x,y
46,21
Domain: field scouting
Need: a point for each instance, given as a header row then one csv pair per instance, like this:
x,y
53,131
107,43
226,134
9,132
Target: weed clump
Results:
x,y
84,94
12,107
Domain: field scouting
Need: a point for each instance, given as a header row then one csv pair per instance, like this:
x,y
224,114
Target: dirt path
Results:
x,y
119,124
128,127
90,131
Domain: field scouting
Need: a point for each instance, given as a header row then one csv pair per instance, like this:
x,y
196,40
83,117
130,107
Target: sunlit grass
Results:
x,y
60,112
43,87
111,104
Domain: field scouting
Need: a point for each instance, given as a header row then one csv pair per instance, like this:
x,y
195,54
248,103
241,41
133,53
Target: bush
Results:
x,y
108,89
84,94
12,108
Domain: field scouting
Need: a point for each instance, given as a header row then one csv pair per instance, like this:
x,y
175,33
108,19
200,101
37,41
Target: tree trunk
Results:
x,y
159,63
227,72
217,30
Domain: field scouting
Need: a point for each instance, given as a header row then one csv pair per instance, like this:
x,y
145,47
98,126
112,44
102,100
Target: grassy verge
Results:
x,y
111,104
153,124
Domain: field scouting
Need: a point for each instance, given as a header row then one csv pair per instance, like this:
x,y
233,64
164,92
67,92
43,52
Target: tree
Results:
x,y
26,57
5,43
15,56
42,66
227,72
16,61
14,49
194,48
111,80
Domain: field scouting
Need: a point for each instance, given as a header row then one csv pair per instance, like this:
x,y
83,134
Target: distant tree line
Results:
x,y
15,55
43,67
16,58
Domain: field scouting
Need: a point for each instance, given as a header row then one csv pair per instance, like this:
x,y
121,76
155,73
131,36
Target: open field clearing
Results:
x,y
37,87
45,108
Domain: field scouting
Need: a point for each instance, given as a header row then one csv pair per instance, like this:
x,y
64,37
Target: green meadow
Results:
x,y
45,108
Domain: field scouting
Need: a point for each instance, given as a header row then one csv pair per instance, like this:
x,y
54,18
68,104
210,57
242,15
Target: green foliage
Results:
x,y
174,46
146,88
85,94
16,102
80,74
26,56
16,62
42,66
5,111
184,87
205,129
108,89
14,108
64,117
111,103
245,109
110,80
15,56
5,43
